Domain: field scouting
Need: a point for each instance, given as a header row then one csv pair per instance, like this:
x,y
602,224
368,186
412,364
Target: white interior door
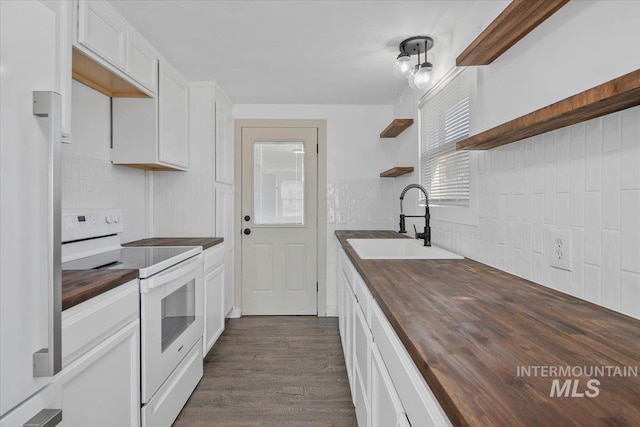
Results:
x,y
279,221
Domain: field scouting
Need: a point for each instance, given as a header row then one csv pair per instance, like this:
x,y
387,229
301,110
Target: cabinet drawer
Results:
x,y
167,403
213,257
364,298
87,324
418,400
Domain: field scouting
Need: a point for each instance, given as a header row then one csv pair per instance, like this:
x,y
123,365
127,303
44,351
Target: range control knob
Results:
x,y
109,219
116,218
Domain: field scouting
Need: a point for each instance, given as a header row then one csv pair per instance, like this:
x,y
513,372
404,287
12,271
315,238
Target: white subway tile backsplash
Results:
x,y
536,268
592,283
593,146
576,207
592,228
563,156
562,210
550,193
630,294
611,132
550,147
562,279
630,236
538,165
611,190
584,179
610,269
578,141
576,285
630,160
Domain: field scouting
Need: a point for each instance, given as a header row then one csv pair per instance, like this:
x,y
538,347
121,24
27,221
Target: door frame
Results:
x,y
321,241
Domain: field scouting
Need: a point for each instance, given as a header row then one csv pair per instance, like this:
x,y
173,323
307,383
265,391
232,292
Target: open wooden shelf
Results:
x,y
396,128
614,95
513,23
397,171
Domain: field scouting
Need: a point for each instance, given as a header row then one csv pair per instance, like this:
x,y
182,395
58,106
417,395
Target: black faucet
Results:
x,y
426,235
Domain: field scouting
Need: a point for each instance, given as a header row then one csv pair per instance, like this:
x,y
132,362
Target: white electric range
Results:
x,y
171,313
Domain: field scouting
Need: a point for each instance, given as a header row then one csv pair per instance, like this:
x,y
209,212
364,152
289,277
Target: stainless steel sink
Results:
x,y
398,249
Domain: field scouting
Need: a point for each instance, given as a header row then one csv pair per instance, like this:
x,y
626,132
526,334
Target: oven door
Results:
x,y
171,320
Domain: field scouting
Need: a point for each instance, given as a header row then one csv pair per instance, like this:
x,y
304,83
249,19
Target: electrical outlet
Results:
x,y
331,217
559,246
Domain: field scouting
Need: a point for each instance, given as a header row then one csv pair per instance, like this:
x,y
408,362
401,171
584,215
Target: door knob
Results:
x,y
247,218
247,231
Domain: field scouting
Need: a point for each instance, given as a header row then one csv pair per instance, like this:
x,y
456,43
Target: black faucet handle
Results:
x,y
402,224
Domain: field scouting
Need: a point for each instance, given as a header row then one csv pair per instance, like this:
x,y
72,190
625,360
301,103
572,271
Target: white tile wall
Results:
x,y
358,204
89,180
585,179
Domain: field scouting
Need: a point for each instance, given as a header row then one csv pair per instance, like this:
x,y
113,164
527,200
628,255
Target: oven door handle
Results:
x,y
183,269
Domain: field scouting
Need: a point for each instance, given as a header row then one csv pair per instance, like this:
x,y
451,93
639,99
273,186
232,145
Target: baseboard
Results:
x,y
234,313
332,312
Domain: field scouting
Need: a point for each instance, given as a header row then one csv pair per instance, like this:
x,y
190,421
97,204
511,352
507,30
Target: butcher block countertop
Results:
x,y
81,285
205,242
468,327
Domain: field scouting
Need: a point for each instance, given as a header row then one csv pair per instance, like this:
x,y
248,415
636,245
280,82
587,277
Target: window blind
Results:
x,y
444,120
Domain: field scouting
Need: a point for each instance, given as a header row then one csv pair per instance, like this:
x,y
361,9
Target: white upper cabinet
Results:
x,y
151,133
142,63
102,30
116,59
224,140
173,92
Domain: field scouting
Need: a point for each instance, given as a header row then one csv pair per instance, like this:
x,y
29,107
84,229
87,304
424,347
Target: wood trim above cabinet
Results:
x,y
395,128
615,95
516,21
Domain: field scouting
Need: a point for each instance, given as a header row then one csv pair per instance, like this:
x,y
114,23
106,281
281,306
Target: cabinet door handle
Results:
x,y
247,231
45,418
247,218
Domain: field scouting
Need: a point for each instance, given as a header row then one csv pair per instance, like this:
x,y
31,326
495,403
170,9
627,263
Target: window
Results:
x,y
444,120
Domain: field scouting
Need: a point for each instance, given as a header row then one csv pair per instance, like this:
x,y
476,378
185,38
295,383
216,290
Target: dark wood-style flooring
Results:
x,y
273,371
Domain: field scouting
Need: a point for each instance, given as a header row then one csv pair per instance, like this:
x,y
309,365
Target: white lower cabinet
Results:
x,y
214,298
388,389
362,356
386,408
102,388
99,385
349,325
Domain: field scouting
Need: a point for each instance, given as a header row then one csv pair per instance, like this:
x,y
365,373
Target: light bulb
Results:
x,y
402,68
412,77
421,78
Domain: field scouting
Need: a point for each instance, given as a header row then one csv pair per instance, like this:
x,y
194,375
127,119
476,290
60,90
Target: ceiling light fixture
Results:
x,y
420,74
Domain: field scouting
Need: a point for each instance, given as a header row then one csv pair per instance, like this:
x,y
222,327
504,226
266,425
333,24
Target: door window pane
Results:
x,y
278,183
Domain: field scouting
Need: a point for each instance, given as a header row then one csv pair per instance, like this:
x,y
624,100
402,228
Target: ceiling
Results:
x,y
291,52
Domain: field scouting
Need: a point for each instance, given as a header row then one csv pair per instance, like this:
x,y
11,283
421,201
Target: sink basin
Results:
x,y
398,249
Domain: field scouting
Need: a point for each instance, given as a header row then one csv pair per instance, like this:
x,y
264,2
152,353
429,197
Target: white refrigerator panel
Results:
x,y
27,63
